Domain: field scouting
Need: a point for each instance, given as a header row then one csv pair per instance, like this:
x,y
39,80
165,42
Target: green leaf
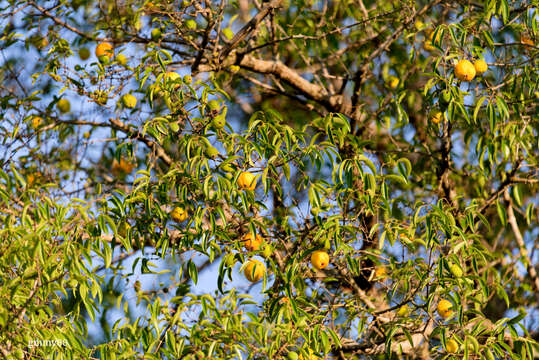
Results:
x,y
501,213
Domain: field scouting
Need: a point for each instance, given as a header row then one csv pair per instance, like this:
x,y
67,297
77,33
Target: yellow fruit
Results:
x,y
129,101
104,49
250,243
191,24
63,105
121,167
319,259
156,34
464,70
172,76
122,59
480,66
179,214
451,346
34,179
436,116
86,135
393,82
254,270
444,308
84,54
267,251
403,310
247,181
380,272
234,68
428,44
228,33
36,121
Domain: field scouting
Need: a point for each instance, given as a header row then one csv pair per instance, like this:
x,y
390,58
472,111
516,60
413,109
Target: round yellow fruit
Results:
x,y
252,243
254,270
179,214
63,105
393,82
247,181
464,70
234,68
129,101
480,66
445,308
36,121
403,310
451,346
228,33
191,24
380,272
436,116
104,49
319,259
122,59
121,167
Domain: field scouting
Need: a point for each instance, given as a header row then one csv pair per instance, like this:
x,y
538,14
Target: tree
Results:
x,y
170,169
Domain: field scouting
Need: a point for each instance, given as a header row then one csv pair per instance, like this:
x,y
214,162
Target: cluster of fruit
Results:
x,y
254,270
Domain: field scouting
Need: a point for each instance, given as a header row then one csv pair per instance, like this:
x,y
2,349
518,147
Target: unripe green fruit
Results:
x,y
188,79
156,34
84,53
72,283
228,33
104,59
455,270
129,101
214,105
63,105
191,24
19,354
292,355
446,97
227,168
211,152
219,122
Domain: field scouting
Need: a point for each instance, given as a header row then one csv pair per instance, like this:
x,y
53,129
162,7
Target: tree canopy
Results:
x,y
269,179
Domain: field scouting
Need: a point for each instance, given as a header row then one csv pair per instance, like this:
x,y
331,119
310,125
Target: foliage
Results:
x,y
327,103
